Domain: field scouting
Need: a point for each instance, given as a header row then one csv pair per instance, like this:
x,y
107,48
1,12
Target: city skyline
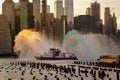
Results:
x,y
81,5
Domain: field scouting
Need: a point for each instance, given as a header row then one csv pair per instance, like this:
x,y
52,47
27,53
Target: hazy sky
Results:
x,y
81,5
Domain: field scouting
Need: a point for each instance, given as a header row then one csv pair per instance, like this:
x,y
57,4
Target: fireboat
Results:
x,y
56,54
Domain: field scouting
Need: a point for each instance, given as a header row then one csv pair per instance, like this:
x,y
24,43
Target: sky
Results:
x,y
81,5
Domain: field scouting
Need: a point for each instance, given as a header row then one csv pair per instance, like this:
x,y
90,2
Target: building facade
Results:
x,y
36,14
58,9
107,21
59,28
5,36
24,15
17,18
95,10
88,11
44,17
8,9
68,11
85,24
114,24
110,24
50,20
48,8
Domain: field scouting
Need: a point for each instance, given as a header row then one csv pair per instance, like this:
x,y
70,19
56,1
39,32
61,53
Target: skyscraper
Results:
x,y
107,27
114,23
95,10
26,14
36,14
58,9
59,27
8,9
110,25
5,36
44,17
88,11
85,24
48,8
68,11
23,14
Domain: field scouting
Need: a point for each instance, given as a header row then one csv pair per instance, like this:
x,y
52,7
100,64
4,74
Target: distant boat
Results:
x,y
112,58
56,54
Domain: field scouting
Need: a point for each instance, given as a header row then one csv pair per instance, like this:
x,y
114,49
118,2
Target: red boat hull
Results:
x,y
53,58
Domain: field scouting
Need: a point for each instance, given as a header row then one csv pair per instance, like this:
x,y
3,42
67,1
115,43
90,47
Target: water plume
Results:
x,y
89,46
29,44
